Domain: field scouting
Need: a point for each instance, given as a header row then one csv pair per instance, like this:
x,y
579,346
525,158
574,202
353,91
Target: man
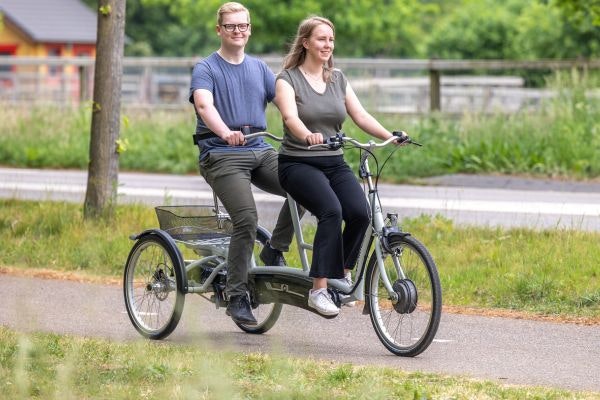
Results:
x,y
230,91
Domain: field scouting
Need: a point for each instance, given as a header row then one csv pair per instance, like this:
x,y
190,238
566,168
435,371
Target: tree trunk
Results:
x,y
103,169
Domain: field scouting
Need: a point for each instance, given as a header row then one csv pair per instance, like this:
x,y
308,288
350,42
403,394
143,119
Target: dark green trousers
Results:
x,y
230,175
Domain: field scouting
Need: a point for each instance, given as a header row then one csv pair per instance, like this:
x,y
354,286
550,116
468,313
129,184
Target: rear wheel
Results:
x,y
406,325
153,302
266,314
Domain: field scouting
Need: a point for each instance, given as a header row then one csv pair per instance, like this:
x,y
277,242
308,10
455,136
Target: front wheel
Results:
x,y
266,314
150,285
406,322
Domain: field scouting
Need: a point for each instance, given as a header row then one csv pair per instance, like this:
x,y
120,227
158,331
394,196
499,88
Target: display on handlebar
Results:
x,y
335,142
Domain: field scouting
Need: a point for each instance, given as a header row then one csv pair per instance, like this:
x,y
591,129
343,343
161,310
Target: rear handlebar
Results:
x,y
264,134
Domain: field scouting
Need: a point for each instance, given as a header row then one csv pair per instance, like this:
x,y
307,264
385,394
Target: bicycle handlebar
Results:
x,y
335,142
264,133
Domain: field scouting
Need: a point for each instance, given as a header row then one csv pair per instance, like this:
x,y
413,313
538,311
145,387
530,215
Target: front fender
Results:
x,y
388,233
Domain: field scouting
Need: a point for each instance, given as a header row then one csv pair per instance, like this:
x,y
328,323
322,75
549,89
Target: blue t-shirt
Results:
x,y
240,93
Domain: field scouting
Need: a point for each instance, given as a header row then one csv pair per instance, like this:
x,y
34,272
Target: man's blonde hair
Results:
x,y
230,7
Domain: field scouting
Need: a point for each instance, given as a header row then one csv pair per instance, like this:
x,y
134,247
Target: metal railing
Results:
x,y
383,85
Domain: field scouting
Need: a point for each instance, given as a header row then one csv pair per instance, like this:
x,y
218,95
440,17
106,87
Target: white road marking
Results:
x,y
517,207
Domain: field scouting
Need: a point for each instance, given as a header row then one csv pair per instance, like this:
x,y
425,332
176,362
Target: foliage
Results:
x,y
581,10
274,24
477,29
513,30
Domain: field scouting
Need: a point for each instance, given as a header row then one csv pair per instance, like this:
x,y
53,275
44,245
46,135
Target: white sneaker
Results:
x,y
347,279
321,301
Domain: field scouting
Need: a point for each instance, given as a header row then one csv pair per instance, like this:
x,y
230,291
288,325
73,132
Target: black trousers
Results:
x,y
327,187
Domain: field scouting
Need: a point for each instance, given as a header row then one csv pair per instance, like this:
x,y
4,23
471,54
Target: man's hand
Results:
x,y
234,138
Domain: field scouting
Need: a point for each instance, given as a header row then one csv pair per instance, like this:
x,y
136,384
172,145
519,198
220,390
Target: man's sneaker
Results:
x,y
347,279
320,300
239,310
271,256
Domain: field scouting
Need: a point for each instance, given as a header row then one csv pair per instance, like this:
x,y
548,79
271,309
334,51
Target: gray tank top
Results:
x,y
320,112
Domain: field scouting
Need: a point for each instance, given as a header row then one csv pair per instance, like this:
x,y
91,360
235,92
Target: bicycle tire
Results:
x,y
265,314
153,298
407,327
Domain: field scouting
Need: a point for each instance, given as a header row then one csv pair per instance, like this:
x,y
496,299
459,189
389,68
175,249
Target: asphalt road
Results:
x,y
504,350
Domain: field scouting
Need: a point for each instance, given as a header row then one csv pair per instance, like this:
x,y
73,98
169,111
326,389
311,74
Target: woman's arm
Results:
x,y
286,102
362,118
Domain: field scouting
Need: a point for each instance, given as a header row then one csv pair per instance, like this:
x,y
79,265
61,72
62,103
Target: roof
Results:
x,y
61,21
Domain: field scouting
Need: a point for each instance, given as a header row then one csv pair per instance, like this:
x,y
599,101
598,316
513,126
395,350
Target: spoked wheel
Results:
x,y
266,314
405,325
154,304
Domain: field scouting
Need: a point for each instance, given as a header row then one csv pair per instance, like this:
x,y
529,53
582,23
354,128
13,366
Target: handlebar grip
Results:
x,y
405,138
401,134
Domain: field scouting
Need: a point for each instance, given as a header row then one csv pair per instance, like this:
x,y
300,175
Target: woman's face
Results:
x,y
319,46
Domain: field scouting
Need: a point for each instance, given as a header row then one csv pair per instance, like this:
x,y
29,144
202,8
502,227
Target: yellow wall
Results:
x,y
11,35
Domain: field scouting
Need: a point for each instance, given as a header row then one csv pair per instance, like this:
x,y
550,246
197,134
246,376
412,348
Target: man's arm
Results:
x,y
204,104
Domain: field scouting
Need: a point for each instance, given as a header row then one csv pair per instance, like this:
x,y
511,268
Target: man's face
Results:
x,y
236,21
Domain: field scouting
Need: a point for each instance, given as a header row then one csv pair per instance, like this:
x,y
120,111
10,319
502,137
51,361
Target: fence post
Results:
x,y
83,84
434,90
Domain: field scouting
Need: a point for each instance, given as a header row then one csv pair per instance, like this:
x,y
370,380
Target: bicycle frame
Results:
x,y
290,285
373,234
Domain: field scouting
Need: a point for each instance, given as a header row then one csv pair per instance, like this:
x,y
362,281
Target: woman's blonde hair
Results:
x,y
297,53
230,7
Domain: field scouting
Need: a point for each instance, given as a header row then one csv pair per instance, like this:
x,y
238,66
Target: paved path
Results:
x,y
499,349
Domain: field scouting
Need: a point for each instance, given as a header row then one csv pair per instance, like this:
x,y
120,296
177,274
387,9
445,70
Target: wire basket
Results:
x,y
189,223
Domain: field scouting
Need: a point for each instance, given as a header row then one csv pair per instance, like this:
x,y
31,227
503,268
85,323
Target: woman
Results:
x,y
313,99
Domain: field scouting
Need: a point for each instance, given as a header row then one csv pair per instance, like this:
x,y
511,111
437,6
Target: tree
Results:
x,y
101,193
581,10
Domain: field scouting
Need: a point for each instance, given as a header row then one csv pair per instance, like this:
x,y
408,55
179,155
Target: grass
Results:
x,y
561,139
50,366
551,272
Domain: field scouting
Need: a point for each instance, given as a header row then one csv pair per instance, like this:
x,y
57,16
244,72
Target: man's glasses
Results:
x,y
231,27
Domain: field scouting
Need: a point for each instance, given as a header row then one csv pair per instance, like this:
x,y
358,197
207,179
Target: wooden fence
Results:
x,y
386,85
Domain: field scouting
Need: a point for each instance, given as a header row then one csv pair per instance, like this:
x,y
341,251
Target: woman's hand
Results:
x,y
313,138
402,138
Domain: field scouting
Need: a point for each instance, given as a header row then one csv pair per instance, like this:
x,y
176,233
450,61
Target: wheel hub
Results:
x,y
407,296
160,284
